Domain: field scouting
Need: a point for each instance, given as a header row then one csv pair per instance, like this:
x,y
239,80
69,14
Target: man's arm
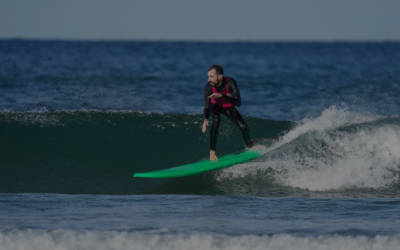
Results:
x,y
207,101
234,90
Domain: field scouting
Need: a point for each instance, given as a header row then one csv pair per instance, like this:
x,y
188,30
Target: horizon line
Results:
x,y
204,41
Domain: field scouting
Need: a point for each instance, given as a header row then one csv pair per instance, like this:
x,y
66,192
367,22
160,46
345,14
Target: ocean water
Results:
x,y
78,119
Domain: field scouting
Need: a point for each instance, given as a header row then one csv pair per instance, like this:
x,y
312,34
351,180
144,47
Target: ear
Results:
x,y
220,77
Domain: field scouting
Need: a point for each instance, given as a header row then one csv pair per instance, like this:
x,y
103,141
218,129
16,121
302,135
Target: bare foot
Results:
x,y
213,157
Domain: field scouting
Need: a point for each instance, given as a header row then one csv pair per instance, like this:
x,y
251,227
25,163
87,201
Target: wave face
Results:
x,y
98,152
339,153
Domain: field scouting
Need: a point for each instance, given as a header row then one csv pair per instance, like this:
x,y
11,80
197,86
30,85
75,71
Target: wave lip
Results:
x,y
330,118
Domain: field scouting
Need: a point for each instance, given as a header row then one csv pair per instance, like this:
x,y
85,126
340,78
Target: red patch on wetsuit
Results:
x,y
221,101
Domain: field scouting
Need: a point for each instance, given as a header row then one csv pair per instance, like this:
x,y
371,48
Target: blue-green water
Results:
x,y
78,119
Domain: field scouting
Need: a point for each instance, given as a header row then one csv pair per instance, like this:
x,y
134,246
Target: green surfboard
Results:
x,y
203,166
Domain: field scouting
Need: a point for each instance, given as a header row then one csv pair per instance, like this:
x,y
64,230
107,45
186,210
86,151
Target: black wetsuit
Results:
x,y
232,114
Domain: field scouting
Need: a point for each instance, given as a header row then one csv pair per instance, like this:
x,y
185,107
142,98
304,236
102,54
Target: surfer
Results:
x,y
221,95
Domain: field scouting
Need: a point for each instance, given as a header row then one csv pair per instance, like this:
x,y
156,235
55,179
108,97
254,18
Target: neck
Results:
x,y
219,83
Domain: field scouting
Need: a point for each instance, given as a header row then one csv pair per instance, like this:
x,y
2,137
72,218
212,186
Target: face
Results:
x,y
213,77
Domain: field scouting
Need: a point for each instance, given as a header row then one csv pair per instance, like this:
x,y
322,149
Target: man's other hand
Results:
x,y
205,124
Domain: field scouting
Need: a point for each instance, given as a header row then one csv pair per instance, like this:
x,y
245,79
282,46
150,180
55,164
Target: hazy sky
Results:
x,y
202,20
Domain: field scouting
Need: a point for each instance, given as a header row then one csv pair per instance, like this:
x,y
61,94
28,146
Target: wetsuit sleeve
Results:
x,y
207,92
234,90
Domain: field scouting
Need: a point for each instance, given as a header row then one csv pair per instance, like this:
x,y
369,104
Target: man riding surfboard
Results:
x,y
221,95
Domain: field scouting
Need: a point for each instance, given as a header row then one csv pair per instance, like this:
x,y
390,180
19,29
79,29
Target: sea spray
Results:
x,y
338,150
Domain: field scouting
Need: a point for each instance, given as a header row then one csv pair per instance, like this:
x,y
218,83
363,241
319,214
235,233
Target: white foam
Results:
x,y
366,156
64,240
330,118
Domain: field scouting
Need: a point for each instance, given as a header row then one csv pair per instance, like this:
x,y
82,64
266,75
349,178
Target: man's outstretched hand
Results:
x,y
215,95
205,124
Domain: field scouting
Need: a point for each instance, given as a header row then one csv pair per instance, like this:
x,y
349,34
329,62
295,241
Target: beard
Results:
x,y
214,83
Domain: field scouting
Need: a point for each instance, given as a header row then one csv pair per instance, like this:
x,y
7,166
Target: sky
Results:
x,y
205,20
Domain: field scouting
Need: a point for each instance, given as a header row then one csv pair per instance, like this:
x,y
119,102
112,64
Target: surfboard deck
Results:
x,y
204,166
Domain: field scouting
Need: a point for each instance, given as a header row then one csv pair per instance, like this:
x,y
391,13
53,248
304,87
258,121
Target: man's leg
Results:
x,y
214,132
238,120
